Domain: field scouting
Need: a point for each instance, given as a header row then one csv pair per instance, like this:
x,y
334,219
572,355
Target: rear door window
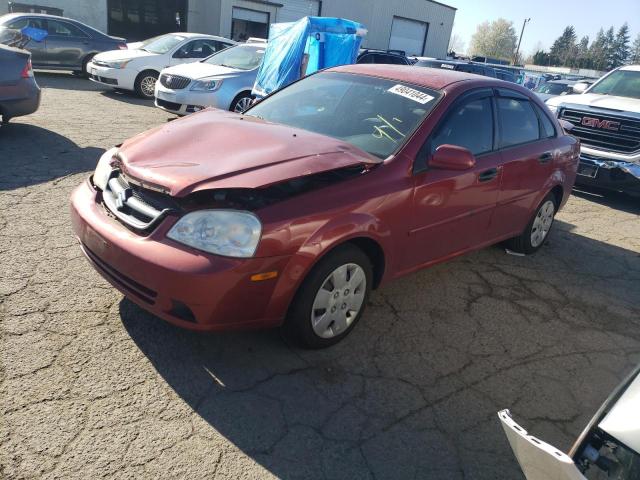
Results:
x,y
518,121
64,29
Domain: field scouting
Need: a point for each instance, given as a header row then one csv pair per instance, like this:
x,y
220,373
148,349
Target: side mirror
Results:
x,y
566,126
452,157
580,87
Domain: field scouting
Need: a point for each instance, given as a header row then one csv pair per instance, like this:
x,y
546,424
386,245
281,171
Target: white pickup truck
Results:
x,y
606,119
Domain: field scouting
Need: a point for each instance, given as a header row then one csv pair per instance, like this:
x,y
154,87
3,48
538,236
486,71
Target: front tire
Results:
x,y
331,299
145,84
537,230
241,103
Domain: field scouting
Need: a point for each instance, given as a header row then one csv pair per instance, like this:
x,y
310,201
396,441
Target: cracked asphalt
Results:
x,y
91,386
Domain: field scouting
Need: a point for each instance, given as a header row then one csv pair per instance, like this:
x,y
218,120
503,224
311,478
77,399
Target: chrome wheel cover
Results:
x,y
243,104
542,223
148,86
339,300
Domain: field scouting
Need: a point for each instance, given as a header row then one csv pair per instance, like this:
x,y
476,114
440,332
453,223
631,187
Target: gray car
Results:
x,y
69,45
223,80
19,92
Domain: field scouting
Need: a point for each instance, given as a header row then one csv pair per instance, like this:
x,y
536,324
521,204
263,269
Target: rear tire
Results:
x,y
145,84
537,231
331,299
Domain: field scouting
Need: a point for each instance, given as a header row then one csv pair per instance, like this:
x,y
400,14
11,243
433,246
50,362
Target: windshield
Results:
x,y
374,114
621,83
553,88
241,57
161,44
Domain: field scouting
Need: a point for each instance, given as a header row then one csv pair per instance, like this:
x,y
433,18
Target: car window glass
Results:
x,y
241,57
548,130
469,125
63,29
518,121
27,22
198,49
374,114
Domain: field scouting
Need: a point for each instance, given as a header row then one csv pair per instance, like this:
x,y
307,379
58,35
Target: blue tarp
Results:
x,y
34,33
328,42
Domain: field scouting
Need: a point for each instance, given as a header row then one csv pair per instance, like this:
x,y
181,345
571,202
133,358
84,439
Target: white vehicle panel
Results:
x,y
538,460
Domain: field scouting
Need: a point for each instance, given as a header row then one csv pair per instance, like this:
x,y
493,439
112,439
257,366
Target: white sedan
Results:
x,y
138,69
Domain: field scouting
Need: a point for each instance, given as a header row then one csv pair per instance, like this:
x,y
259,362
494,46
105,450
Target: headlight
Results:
x,y
206,85
104,169
120,64
230,233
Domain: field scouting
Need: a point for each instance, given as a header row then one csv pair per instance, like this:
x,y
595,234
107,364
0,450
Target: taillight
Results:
x,y
122,46
27,71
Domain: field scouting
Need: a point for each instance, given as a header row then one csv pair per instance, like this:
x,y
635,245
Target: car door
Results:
x,y
37,49
525,140
66,44
452,209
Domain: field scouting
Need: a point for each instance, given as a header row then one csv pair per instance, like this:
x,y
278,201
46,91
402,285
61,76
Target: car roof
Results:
x,y
434,78
633,68
563,82
43,15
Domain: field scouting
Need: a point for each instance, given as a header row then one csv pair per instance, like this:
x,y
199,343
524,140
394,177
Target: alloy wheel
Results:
x,y
148,86
242,104
542,223
339,300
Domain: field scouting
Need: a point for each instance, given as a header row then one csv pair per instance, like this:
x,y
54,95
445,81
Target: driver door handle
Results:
x,y
488,175
546,157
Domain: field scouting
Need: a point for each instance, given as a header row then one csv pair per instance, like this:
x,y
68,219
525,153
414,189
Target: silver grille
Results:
x,y
174,82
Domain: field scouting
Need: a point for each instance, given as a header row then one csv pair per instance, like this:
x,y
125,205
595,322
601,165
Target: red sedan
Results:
x,y
290,213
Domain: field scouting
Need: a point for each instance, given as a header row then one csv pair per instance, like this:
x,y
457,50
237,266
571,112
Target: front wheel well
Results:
x,y
374,251
558,193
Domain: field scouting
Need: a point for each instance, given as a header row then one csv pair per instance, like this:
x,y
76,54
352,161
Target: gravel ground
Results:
x,y
91,386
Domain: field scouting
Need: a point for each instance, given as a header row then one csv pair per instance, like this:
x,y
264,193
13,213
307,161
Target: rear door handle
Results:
x,y
546,157
488,175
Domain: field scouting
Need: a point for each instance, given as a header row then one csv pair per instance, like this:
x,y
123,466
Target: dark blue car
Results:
x,y
69,45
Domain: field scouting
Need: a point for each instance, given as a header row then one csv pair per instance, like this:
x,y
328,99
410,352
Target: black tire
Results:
x,y
523,243
142,87
240,98
298,324
85,62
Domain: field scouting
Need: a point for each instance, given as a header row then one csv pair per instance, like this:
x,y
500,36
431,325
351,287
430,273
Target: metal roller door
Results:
x,y
408,35
293,10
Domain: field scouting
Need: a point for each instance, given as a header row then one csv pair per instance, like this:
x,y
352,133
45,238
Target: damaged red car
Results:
x,y
291,213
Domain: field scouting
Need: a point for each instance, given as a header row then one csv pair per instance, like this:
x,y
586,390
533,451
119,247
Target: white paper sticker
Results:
x,y
448,66
407,92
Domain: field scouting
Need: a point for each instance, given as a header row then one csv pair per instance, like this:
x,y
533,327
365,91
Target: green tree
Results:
x,y
496,39
609,48
564,48
634,57
582,53
541,58
620,50
597,51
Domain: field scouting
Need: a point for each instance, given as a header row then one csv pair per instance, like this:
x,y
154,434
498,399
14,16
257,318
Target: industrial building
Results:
x,y
419,27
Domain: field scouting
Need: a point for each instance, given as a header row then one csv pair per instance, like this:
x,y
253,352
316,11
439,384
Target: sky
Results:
x,y
548,18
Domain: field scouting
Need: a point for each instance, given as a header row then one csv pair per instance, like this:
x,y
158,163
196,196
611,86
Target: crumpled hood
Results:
x,y
197,70
595,100
118,55
220,149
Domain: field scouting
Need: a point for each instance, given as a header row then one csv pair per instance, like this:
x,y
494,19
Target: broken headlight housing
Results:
x,y
231,233
103,169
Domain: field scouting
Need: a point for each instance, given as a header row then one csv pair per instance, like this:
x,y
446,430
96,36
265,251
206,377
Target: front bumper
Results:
x,y
188,288
111,77
20,99
185,101
601,172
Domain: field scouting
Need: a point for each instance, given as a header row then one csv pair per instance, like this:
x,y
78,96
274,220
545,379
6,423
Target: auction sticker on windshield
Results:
x,y
407,92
